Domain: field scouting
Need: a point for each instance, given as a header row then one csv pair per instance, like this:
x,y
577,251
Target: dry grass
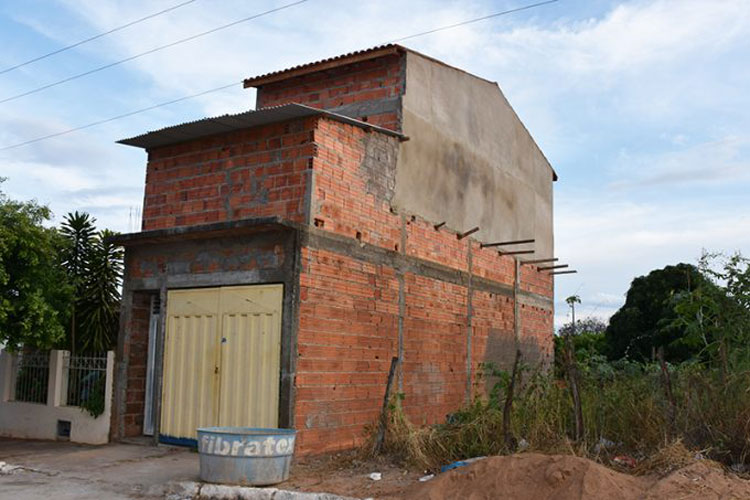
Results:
x,y
671,457
625,414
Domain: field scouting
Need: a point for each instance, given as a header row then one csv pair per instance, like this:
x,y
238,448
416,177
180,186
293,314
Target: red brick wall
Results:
x,y
346,199
493,336
535,281
435,343
537,335
261,171
368,81
349,308
487,263
346,338
440,246
136,354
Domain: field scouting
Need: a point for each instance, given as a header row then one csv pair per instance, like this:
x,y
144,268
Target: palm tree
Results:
x,y
100,307
78,229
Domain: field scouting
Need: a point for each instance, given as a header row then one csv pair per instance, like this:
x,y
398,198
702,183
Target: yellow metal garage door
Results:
x,y
221,359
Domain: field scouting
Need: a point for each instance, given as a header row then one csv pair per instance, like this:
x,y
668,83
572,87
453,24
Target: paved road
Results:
x,y
58,470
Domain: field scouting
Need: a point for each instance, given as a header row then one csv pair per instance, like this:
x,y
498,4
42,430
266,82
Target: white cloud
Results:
x,y
716,162
650,98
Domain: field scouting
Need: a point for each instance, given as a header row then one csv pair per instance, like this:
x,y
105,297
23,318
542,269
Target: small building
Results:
x,y
287,254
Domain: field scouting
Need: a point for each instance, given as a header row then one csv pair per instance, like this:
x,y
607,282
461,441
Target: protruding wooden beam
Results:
x,y
540,261
515,252
547,268
467,233
563,272
438,225
504,243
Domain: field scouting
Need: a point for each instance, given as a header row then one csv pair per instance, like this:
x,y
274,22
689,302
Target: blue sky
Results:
x,y
641,106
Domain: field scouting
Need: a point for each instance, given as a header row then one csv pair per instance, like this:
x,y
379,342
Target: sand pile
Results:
x,y
539,477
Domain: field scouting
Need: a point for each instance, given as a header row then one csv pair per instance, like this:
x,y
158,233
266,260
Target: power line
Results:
x,y
124,115
157,49
470,21
223,87
96,37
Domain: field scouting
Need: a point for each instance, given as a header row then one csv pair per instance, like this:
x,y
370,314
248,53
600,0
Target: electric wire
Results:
x,y
151,51
471,21
118,117
96,37
223,87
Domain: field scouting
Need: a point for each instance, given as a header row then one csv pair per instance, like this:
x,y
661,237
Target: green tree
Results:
x,y
588,342
94,266
34,289
715,316
646,321
78,230
100,304
586,325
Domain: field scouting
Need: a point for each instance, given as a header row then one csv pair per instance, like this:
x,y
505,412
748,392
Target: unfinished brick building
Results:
x,y
288,253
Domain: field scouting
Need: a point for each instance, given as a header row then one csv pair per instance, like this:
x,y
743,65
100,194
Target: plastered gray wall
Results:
x,y
469,160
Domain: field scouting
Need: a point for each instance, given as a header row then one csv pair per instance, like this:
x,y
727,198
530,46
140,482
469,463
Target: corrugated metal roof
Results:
x,y
228,123
356,56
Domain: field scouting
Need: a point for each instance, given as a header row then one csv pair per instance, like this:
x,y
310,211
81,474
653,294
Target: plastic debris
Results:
x,y
603,444
426,478
625,461
376,476
460,463
739,468
522,444
6,468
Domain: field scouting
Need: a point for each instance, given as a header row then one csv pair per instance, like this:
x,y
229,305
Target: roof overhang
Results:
x,y
324,64
239,227
249,119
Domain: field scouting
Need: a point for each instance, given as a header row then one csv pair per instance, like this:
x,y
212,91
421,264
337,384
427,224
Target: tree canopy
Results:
x,y
647,319
35,294
58,288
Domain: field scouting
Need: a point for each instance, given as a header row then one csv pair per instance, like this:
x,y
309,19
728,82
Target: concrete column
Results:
x,y
55,395
109,382
516,305
6,376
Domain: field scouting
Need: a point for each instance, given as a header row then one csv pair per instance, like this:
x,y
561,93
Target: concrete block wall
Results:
x,y
256,172
368,90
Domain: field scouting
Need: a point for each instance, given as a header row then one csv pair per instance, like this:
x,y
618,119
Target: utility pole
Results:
x,y
572,370
572,301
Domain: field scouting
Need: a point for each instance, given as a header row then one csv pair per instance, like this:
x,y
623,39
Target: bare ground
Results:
x,y
65,470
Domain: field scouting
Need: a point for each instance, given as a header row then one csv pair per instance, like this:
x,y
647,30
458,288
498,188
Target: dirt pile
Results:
x,y
539,477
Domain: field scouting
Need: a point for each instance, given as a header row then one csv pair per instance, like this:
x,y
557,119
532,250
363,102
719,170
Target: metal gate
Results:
x,y
222,357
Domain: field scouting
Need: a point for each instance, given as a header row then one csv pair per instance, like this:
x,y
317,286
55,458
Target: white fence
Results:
x,y
35,406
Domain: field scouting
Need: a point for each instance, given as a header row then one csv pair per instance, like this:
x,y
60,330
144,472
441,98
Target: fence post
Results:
x,y
6,376
56,368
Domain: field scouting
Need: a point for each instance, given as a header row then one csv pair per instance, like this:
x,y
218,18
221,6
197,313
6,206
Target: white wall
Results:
x,y
39,421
